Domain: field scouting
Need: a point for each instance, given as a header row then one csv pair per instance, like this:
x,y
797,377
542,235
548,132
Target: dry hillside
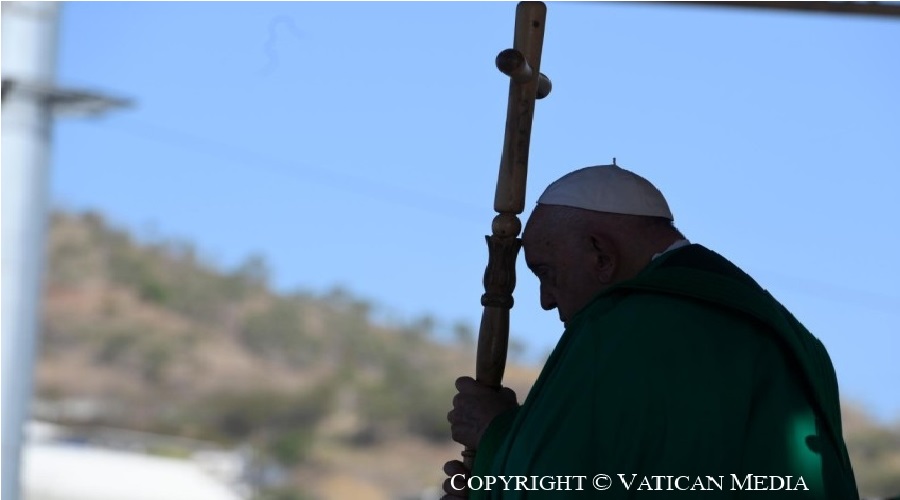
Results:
x,y
150,337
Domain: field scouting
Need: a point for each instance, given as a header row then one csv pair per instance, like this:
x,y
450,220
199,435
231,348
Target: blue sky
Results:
x,y
357,145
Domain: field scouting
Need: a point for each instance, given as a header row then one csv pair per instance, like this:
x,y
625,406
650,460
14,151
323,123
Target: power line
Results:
x,y
432,203
392,194
831,292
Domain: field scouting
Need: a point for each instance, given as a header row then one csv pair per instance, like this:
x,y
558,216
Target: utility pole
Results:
x,y
30,100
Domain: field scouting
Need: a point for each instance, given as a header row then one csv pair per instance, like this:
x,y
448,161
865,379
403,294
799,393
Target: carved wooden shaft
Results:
x,y
499,283
522,64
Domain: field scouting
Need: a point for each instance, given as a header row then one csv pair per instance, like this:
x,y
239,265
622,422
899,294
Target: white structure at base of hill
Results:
x,y
59,471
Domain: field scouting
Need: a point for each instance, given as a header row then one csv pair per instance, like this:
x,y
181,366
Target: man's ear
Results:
x,y
605,259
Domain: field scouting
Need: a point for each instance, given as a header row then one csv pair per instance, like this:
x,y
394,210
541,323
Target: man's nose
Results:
x,y
548,302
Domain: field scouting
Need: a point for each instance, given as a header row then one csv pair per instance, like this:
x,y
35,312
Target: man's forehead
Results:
x,y
533,224
545,217
539,224
542,211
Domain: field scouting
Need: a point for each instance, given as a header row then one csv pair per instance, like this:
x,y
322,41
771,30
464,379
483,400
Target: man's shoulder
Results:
x,y
694,267
692,297
696,274
687,285
648,308
670,319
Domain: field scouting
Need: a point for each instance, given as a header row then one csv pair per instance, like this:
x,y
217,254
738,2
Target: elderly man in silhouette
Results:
x,y
676,371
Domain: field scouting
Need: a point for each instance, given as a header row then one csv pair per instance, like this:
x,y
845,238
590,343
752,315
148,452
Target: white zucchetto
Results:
x,y
607,188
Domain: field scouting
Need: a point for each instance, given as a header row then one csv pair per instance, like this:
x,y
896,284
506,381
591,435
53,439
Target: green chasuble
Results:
x,y
688,381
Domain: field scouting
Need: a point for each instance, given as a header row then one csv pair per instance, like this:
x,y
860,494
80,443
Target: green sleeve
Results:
x,y
491,440
489,445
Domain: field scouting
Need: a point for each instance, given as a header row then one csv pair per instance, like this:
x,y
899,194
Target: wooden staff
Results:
x,y
522,64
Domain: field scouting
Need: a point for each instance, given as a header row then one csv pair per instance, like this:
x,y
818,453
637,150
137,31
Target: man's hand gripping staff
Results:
x,y
482,399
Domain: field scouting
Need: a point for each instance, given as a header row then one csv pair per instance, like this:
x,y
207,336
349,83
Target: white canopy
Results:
x,y
54,471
